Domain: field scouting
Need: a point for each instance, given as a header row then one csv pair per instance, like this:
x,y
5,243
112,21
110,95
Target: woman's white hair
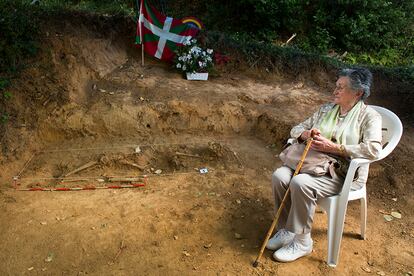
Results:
x,y
360,79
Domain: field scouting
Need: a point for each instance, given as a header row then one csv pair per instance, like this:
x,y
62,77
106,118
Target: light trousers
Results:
x,y
299,209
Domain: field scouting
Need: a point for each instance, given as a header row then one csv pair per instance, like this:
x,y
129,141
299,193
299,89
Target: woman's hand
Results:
x,y
310,133
323,144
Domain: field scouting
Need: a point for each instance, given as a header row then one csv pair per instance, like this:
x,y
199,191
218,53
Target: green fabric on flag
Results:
x,y
147,38
179,28
171,45
153,18
151,38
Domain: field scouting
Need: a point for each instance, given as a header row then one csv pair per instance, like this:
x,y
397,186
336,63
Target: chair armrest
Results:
x,y
290,141
361,161
353,166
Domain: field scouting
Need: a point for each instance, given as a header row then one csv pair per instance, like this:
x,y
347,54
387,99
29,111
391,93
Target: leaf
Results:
x,y
388,217
7,95
396,215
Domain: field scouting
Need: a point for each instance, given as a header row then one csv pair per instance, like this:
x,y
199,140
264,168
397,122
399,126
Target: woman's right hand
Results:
x,y
310,133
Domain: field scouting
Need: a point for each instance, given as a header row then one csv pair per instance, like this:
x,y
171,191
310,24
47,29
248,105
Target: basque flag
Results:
x,y
160,34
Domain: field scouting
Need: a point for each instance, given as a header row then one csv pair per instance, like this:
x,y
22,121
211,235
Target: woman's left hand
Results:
x,y
323,144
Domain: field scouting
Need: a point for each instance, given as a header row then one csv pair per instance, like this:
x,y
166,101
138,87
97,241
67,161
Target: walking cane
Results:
x,y
275,220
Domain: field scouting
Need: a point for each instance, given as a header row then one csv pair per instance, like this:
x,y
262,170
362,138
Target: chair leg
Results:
x,y
331,212
336,229
363,217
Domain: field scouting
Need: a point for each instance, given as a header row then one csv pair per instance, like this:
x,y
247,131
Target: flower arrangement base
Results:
x,y
197,76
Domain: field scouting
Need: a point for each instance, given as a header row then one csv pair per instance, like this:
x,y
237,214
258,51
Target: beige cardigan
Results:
x,y
369,147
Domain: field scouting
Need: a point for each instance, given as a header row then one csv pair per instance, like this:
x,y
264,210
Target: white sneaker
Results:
x,y
294,250
281,238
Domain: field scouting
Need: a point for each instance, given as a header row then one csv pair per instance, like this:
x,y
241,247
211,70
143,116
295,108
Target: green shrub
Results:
x,y
118,7
365,28
18,34
292,61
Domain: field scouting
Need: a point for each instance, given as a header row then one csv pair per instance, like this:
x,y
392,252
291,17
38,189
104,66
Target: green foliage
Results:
x,y
114,7
4,118
290,60
246,17
293,60
7,95
384,57
18,34
4,96
405,74
4,83
379,32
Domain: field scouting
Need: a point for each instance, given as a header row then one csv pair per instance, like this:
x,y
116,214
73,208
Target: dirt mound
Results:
x,y
86,110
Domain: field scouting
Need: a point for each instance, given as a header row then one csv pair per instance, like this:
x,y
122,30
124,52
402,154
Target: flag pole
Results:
x,y
140,32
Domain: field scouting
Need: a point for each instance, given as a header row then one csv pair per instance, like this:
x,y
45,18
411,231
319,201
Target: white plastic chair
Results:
x,y
335,206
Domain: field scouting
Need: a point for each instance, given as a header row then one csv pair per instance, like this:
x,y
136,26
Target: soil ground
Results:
x,y
86,98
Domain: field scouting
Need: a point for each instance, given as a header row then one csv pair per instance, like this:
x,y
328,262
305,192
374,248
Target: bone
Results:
x,y
81,168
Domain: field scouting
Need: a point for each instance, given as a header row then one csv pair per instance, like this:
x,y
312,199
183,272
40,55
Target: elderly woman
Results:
x,y
345,128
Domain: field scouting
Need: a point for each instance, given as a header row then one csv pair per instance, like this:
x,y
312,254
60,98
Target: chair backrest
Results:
x,y
391,130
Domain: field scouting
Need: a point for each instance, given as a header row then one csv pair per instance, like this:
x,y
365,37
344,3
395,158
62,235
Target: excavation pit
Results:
x,y
69,168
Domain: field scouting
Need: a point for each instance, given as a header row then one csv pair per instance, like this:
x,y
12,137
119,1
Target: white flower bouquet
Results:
x,y
191,58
